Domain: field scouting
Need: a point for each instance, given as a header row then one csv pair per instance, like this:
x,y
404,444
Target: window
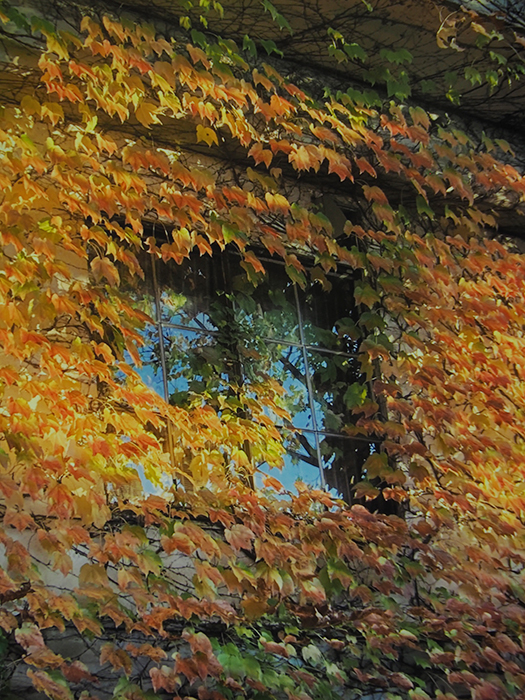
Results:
x,y
215,329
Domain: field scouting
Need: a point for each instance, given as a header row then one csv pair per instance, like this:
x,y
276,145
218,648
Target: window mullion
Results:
x,y
158,319
309,387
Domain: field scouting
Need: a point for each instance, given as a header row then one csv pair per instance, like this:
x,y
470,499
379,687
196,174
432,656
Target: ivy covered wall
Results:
x,y
236,174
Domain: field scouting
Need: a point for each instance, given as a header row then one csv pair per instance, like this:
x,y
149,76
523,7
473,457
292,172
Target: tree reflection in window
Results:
x,y
217,334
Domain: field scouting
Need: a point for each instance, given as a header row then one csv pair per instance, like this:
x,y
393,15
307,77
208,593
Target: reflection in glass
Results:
x,y
331,375
268,310
187,292
300,462
321,311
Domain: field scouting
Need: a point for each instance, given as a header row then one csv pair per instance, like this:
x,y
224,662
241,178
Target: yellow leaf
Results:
x,y
30,105
147,112
52,110
167,99
57,46
207,135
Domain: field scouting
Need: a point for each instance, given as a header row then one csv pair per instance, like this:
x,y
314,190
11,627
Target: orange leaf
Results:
x,y
103,267
118,658
240,537
260,155
147,113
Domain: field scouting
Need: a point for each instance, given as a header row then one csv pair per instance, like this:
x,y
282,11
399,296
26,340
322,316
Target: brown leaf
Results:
x,y
29,637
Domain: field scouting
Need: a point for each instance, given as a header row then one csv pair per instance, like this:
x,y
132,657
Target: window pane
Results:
x,y
236,340
300,463
196,364
332,375
268,310
189,293
265,361
151,371
323,310
343,459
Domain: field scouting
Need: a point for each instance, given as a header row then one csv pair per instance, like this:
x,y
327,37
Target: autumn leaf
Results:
x,y
29,637
365,166
239,536
254,607
53,111
365,489
103,267
30,105
305,158
52,683
274,648
118,658
277,202
145,390
260,154
204,133
147,113
77,671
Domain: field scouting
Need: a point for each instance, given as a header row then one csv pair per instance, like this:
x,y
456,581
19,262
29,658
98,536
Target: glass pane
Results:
x,y
333,376
151,370
300,463
326,314
279,365
268,310
192,293
206,293
197,365
343,460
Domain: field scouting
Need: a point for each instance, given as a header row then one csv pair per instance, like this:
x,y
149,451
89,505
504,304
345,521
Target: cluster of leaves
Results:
x,y
212,587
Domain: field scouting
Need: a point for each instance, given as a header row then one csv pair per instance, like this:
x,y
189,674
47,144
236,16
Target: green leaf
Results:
x,y
473,75
249,46
376,465
366,295
427,86
355,395
498,58
252,668
492,78
367,98
398,57
281,21
296,276
199,38
346,326
336,53
38,24
355,51
121,687
371,321
390,283
270,47
423,207
399,86
312,654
